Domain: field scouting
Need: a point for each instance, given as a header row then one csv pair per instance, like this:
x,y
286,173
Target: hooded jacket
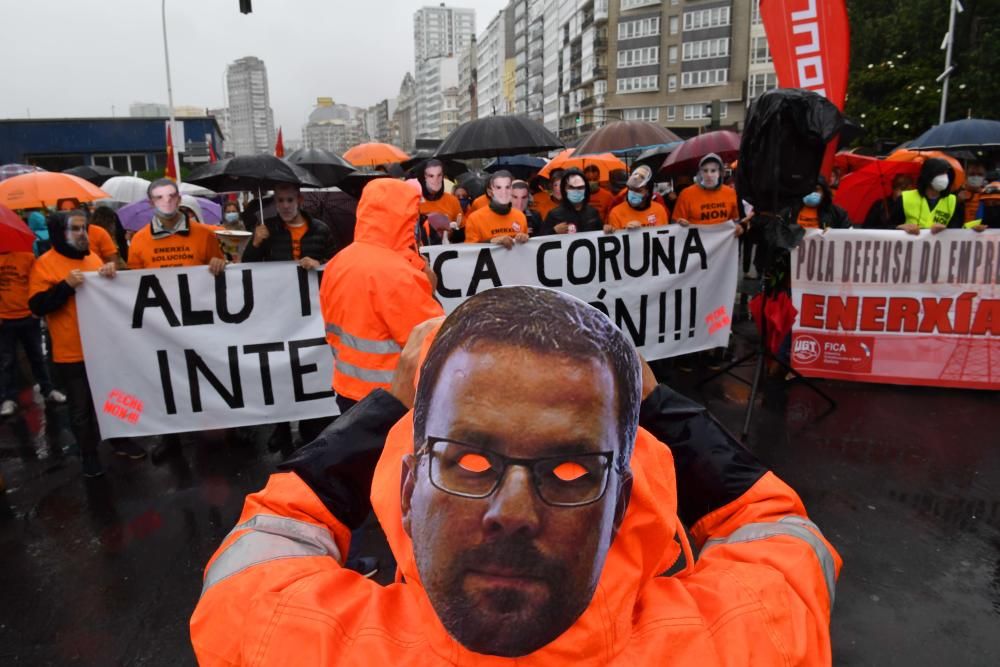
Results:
x,y
375,291
918,200
51,297
760,592
587,219
36,221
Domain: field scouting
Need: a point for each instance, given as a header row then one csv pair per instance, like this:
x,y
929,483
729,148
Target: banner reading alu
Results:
x,y
173,350
884,306
670,288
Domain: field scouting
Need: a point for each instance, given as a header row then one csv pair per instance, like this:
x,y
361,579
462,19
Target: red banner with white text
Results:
x,y
885,306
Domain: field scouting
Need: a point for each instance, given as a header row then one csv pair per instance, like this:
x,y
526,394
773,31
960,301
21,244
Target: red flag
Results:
x,y
170,171
279,146
212,157
810,43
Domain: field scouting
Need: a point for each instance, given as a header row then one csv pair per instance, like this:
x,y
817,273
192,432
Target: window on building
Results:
x,y
674,24
649,55
671,83
651,114
638,84
706,18
671,112
755,15
125,163
702,78
760,52
633,4
703,110
706,48
641,28
672,54
761,83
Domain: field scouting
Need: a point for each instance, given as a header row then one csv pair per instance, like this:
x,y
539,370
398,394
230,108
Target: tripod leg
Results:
x,y
758,374
806,381
729,367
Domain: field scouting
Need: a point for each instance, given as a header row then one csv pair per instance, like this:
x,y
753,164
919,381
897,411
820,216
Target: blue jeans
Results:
x,y
27,331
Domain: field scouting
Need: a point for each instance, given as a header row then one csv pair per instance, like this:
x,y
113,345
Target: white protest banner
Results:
x,y
172,350
885,306
671,288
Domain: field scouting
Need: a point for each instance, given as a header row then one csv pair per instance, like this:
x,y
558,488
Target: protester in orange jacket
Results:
x,y
375,291
709,201
638,209
532,513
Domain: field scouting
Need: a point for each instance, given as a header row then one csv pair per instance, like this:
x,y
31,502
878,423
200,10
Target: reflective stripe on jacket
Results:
x,y
916,209
374,292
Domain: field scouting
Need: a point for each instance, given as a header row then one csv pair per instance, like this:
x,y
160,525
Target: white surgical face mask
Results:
x,y
940,182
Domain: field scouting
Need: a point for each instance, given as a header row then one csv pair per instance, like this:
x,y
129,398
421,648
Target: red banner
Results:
x,y
884,306
810,43
279,145
170,171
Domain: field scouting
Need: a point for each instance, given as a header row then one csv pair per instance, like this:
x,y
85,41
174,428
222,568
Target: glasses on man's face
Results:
x,y
569,480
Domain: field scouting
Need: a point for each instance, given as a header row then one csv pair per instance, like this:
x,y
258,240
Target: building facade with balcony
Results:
x,y
440,35
467,100
494,77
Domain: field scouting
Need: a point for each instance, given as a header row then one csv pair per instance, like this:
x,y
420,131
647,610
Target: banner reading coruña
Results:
x,y
670,288
885,306
172,350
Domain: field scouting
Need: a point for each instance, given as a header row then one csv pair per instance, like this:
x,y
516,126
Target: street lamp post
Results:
x,y
170,90
949,41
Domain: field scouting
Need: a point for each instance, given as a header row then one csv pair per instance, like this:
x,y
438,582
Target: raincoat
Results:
x,y
375,291
759,594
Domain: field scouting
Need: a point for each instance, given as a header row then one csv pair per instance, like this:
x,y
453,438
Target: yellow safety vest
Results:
x,y
916,210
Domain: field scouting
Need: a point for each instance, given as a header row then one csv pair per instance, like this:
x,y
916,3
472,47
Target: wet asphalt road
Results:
x,y
904,481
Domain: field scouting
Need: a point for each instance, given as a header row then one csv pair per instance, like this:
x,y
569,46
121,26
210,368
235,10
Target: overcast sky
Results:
x,y
66,58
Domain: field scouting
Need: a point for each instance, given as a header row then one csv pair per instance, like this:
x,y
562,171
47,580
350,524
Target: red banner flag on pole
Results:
x,y
212,157
810,42
170,171
279,146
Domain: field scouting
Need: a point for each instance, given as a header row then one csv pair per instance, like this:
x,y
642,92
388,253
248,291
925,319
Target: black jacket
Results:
x,y
587,219
318,242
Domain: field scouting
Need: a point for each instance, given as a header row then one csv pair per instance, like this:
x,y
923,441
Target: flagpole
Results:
x,y
170,90
947,62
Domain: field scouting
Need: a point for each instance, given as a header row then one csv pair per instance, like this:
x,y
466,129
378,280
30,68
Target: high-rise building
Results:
x,y
468,83
761,76
334,127
529,28
671,59
221,116
440,34
494,47
251,120
404,119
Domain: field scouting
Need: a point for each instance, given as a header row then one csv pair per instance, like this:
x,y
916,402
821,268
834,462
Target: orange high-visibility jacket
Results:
x,y
759,593
374,292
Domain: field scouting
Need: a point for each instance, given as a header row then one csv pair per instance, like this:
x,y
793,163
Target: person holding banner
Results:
x,y
499,222
375,291
55,278
709,201
532,513
434,199
520,198
292,235
931,206
574,213
638,210
173,238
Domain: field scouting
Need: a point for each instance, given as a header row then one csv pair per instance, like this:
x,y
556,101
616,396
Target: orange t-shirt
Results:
x,y
484,224
447,205
706,207
297,233
809,217
477,203
623,214
972,205
602,201
542,202
101,243
48,271
195,249
15,267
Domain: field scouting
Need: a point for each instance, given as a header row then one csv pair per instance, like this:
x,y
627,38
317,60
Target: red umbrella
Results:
x,y
872,183
848,161
685,158
15,236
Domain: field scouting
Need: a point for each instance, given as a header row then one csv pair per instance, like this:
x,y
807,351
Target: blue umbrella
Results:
x,y
522,166
968,133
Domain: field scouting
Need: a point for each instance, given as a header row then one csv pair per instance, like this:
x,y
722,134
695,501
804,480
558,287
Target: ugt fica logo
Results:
x,y
805,350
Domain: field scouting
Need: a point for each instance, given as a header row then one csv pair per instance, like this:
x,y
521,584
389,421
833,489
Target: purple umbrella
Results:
x,y
137,215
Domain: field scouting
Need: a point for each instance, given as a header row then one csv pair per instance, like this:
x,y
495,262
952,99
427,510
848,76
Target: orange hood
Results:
x,y
387,215
644,547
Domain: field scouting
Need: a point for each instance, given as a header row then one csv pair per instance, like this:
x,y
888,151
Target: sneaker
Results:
x,y
7,408
366,566
92,466
128,448
55,396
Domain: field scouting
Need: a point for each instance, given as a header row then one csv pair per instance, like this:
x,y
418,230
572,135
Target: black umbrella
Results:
x,y
94,173
328,168
494,136
356,181
522,167
970,133
655,157
252,173
414,167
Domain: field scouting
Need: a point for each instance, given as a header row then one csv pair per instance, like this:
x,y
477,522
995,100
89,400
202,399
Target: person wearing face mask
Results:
x,y
988,215
638,209
292,234
574,213
231,217
931,206
818,210
600,198
462,195
880,214
435,200
709,201
542,200
520,199
971,192
499,222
